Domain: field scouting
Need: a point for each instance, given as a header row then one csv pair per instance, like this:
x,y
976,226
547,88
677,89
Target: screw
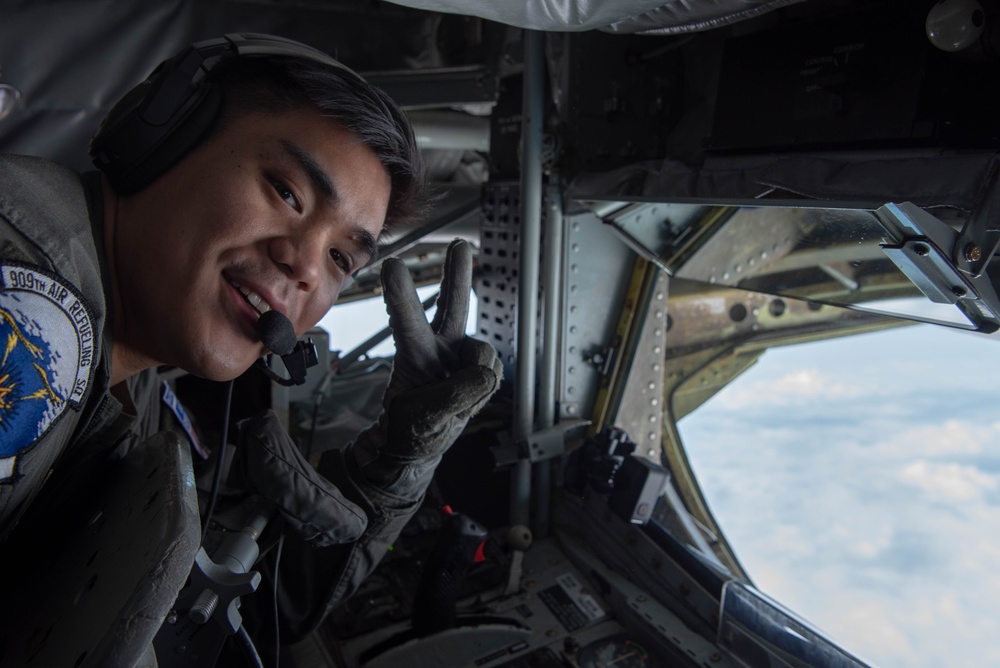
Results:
x,y
921,249
973,253
203,606
958,292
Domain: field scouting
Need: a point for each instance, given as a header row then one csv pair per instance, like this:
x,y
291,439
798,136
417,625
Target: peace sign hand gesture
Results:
x,y
440,377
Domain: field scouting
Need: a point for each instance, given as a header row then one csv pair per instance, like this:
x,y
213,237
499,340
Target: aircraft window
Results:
x,y
352,323
857,480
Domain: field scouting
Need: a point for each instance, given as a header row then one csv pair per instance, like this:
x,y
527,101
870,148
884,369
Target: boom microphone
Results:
x,y
276,332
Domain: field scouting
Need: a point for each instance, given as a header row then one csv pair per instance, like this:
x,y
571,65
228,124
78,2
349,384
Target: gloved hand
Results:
x,y
268,463
440,377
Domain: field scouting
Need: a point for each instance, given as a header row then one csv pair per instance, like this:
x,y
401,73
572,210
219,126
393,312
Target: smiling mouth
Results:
x,y
252,298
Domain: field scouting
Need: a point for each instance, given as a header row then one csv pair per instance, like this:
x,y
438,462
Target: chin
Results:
x,y
221,370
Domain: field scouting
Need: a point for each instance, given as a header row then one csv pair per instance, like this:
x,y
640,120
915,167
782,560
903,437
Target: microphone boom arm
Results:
x,y
302,357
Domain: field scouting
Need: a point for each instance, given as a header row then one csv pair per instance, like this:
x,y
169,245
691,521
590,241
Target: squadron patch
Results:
x,y
46,356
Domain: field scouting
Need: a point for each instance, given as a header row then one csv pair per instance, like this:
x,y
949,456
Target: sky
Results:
x,y
858,481
352,323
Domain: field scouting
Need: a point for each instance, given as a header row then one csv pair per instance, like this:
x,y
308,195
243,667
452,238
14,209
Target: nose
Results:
x,y
301,256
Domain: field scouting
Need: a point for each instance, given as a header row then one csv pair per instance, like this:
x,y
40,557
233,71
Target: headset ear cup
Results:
x,y
177,138
133,153
106,146
162,119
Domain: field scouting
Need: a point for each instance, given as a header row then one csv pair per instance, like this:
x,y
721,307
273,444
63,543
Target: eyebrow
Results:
x,y
319,177
367,242
321,180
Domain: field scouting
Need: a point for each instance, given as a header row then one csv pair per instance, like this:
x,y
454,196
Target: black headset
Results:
x,y
156,123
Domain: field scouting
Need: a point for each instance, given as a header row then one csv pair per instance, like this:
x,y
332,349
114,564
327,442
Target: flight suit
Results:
x,y
55,365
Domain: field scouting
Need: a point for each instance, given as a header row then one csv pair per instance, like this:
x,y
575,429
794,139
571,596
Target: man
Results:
x,y
247,175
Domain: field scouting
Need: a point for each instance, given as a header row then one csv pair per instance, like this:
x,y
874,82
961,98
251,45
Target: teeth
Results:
x,y
255,300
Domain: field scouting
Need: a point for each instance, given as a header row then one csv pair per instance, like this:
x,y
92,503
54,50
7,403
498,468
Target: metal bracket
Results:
x,y
923,248
211,600
551,442
980,237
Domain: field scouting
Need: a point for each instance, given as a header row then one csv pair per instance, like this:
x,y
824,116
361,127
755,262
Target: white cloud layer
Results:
x,y
869,506
948,481
951,437
790,388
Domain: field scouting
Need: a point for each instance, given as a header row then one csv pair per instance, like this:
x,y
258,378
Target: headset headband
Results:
x,y
159,121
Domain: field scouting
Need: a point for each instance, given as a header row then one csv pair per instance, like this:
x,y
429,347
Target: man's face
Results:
x,y
272,211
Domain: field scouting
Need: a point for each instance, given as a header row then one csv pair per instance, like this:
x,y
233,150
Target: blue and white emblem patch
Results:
x,y
46,355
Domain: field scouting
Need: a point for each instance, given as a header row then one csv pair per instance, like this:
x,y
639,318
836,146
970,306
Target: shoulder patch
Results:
x,y
46,357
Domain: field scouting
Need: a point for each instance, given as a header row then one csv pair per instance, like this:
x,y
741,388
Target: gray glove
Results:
x,y
268,463
440,377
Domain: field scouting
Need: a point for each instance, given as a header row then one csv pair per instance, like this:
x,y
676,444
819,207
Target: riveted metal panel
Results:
x,y
641,410
597,267
496,274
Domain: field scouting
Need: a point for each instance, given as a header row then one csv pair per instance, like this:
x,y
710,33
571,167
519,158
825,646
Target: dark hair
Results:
x,y
271,84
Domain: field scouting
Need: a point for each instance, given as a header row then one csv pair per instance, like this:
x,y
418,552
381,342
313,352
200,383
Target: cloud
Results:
x,y
952,437
876,547
948,481
862,490
873,628
789,389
